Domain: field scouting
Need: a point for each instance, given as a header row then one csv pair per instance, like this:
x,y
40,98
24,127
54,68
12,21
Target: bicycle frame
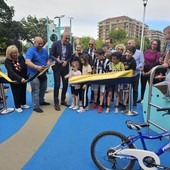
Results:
x,y
142,136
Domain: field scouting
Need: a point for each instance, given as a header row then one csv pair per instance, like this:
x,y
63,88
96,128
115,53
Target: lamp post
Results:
x,y
59,24
71,29
143,23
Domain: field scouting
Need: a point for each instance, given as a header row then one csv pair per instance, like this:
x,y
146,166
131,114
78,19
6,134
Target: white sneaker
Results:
x,y
71,106
107,110
25,106
116,110
75,107
18,110
81,110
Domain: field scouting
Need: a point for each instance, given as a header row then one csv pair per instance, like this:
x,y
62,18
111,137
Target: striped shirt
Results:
x,y
102,66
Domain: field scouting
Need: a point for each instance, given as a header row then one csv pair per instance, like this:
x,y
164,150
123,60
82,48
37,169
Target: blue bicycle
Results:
x,y
113,150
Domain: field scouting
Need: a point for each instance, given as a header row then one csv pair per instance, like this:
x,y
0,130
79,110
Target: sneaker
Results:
x,y
108,110
93,106
18,110
75,107
140,101
25,106
100,109
116,110
39,110
81,110
72,105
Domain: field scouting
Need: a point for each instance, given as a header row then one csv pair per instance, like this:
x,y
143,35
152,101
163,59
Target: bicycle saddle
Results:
x,y
136,125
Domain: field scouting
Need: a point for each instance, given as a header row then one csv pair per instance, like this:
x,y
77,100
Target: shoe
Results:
x,y
93,106
39,110
72,105
81,110
18,110
44,104
57,107
100,109
65,104
25,106
75,107
140,101
108,110
116,110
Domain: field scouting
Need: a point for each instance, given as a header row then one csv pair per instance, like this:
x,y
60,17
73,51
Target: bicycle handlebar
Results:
x,y
167,110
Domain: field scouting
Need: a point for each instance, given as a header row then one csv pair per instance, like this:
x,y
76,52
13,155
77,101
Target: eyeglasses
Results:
x,y
91,44
120,49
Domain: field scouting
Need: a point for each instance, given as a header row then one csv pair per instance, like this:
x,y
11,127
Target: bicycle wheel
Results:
x,y
102,151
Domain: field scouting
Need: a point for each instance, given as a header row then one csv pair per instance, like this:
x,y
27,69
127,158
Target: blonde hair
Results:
x,y
10,49
121,45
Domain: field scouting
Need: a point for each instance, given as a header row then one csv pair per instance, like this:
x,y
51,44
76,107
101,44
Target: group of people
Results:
x,y
82,62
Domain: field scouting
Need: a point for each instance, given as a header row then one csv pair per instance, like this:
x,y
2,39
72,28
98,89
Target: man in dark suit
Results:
x,y
61,52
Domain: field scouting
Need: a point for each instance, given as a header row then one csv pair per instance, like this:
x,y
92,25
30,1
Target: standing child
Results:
x,y
129,64
102,65
74,87
116,66
86,69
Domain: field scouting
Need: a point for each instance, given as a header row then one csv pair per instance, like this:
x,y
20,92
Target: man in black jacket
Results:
x,y
61,52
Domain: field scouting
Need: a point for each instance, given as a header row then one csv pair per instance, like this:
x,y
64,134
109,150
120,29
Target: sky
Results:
x,y
87,13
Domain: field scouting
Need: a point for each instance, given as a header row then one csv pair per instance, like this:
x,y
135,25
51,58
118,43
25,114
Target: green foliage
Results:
x,y
99,44
6,12
117,35
84,41
34,27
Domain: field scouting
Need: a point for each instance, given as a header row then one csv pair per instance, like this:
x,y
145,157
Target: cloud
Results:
x,y
87,13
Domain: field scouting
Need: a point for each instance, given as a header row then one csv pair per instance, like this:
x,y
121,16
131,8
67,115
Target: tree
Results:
x,y
6,12
34,27
117,35
84,41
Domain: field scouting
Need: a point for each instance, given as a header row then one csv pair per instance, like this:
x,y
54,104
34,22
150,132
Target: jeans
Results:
x,y
39,88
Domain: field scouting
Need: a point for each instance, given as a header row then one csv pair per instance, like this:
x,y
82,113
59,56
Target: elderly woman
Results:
x,y
17,71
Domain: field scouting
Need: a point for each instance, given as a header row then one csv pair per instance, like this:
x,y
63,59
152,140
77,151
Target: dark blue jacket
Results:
x,y
56,50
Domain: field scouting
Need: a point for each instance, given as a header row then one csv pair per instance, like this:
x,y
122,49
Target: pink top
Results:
x,y
151,57
73,73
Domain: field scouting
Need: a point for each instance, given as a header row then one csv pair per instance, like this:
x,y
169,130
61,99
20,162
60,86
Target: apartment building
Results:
x,y
132,27
155,34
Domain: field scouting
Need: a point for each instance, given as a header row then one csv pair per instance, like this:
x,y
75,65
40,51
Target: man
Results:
x,y
138,56
36,58
108,44
166,32
61,52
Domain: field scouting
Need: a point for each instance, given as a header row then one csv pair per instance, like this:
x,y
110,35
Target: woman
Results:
x,y
17,71
151,57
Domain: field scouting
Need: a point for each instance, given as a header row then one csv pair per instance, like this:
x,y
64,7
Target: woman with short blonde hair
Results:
x,y
17,71
11,49
120,48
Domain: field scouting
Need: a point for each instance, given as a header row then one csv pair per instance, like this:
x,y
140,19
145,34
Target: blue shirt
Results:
x,y
39,58
138,56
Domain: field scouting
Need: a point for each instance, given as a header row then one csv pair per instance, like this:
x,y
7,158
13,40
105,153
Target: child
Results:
x,y
129,64
74,87
116,66
102,65
86,69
